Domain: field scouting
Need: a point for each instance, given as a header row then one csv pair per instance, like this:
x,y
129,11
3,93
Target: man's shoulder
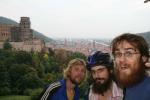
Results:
x,y
50,90
53,86
148,77
147,80
143,85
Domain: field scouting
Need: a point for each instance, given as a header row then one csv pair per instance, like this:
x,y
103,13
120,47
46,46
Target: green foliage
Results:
x,y
23,57
24,76
5,90
23,73
77,55
51,77
7,58
15,97
32,80
83,88
35,93
37,64
4,80
7,45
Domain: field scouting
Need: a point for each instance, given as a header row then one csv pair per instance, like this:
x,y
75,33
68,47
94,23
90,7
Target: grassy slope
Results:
x,y
15,98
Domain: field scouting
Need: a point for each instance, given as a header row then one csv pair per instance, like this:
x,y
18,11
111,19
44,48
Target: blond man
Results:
x,y
67,88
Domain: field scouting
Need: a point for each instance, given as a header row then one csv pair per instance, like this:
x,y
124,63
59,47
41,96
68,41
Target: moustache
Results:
x,y
99,79
122,66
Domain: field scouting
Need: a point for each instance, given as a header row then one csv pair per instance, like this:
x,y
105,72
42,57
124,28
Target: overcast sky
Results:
x,y
80,18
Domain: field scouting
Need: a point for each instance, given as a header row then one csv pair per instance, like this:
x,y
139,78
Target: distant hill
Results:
x,y
4,20
41,36
146,35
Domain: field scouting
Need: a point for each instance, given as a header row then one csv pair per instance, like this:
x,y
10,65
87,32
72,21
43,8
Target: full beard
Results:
x,y
128,80
100,88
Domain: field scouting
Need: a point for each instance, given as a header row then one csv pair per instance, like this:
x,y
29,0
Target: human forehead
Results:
x,y
124,45
78,66
97,67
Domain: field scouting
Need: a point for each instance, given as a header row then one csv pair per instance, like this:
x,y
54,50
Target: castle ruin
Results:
x,y
20,36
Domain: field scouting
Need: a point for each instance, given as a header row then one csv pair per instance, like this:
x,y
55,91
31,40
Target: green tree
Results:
x,y
4,80
30,81
23,57
37,64
23,77
77,55
7,45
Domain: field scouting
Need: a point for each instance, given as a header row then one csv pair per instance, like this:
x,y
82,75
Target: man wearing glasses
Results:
x,y
130,53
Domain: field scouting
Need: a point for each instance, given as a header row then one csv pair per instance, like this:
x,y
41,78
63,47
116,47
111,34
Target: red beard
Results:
x,y
127,80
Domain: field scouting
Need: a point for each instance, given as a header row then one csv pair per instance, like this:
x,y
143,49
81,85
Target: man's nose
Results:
x,y
96,74
122,57
81,73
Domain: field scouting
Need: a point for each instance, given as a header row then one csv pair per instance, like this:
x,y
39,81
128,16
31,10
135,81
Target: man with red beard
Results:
x,y
102,86
67,88
130,53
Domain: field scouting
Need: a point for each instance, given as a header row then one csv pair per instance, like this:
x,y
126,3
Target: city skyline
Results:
x,y
80,18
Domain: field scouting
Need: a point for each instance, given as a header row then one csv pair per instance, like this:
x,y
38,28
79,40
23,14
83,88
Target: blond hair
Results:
x,y
72,63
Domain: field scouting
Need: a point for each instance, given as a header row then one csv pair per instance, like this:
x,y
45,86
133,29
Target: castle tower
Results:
x,y
25,31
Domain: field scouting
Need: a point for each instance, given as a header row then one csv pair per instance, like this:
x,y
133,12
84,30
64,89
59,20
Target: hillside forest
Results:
x,y
26,73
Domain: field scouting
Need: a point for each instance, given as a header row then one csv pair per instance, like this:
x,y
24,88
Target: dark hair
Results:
x,y
135,40
99,58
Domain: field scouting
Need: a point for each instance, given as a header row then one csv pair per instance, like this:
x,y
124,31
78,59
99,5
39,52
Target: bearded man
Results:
x,y
130,53
103,87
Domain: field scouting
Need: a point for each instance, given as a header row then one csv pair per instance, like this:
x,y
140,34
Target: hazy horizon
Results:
x,y
80,18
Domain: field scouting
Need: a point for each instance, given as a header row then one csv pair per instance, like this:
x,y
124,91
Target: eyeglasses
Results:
x,y
127,54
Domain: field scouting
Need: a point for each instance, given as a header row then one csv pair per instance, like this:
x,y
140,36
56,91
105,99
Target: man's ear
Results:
x,y
145,59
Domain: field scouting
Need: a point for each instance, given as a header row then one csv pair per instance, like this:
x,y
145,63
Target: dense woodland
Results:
x,y
26,73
